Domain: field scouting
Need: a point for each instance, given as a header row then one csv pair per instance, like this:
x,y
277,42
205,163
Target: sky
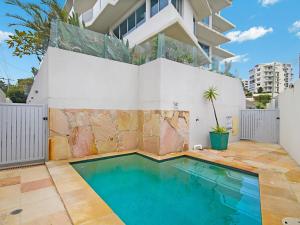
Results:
x,y
266,31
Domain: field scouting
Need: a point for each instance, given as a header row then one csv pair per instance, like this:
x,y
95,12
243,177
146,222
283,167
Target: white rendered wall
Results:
x,y
39,91
289,106
81,81
185,85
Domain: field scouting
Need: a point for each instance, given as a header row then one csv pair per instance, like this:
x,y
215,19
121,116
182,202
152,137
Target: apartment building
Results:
x,y
262,76
246,84
195,22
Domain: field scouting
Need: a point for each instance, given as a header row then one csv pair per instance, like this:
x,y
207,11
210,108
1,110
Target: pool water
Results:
x,y
181,191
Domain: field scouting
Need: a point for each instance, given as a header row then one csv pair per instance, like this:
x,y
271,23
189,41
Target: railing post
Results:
x,y
161,53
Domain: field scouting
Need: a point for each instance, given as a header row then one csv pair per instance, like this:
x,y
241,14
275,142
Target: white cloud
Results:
x,y
4,35
237,59
266,3
251,34
295,28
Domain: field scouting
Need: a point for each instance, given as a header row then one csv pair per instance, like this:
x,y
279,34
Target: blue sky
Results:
x,y
266,30
274,33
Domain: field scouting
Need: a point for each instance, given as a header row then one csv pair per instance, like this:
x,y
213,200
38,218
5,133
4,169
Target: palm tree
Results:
x,y
211,95
34,37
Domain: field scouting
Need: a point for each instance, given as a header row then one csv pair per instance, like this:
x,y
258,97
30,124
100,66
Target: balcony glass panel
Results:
x,y
76,39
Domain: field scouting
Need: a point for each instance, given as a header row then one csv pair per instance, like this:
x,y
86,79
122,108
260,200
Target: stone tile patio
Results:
x,y
32,190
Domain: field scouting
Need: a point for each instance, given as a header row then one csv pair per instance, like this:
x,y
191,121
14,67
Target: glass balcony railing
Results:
x,y
76,39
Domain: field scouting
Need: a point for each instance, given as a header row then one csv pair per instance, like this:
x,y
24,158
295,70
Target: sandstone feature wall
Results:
x,y
82,132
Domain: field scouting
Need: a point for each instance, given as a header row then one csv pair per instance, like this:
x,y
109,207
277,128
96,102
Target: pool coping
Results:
x,y
84,205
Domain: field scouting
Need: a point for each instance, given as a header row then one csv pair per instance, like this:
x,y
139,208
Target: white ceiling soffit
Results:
x,y
201,8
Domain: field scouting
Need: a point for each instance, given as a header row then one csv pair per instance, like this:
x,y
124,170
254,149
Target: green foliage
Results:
x,y
33,33
260,90
249,94
260,105
18,93
221,130
3,86
262,100
211,95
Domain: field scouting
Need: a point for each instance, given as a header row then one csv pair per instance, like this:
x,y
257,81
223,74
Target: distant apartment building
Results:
x,y
195,22
246,84
262,76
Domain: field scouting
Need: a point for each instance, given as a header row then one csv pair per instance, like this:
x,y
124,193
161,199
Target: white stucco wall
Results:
x,y
185,85
73,80
81,81
39,91
289,106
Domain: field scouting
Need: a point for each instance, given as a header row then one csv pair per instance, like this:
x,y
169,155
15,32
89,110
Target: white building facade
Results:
x,y
262,76
195,22
246,84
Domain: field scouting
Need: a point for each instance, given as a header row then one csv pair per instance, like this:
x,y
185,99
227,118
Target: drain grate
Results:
x,y
291,221
16,211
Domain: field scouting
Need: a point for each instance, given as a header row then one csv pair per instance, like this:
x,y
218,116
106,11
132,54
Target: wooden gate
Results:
x,y
23,134
260,125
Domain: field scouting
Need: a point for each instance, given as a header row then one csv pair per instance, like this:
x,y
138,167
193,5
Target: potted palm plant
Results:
x,y
219,135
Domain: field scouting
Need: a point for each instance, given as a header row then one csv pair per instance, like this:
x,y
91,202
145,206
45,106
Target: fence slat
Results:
x,y
260,125
22,134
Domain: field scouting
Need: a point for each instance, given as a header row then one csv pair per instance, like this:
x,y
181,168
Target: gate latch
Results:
x,y
45,118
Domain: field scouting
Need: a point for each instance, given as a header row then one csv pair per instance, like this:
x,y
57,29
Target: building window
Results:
x,y
141,15
178,5
154,7
117,32
163,4
205,48
157,5
132,22
205,21
123,29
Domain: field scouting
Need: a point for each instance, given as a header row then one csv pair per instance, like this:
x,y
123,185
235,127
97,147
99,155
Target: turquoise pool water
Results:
x,y
181,191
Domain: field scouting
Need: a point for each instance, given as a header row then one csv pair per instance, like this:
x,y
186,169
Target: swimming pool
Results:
x,y
180,191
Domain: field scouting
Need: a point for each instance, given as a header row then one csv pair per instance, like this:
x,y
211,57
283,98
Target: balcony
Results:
x,y
202,8
222,53
218,5
221,24
103,13
72,38
169,22
210,35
